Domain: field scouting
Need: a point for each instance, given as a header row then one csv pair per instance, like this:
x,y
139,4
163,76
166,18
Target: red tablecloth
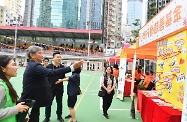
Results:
x,y
152,112
127,88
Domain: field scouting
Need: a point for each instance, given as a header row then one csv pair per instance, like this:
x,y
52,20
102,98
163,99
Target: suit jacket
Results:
x,y
36,85
56,88
73,87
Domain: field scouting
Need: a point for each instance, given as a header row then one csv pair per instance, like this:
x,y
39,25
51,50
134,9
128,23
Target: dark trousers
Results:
x,y
116,82
107,100
35,115
59,105
136,84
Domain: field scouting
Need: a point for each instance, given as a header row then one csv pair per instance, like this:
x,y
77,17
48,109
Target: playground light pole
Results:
x,y
89,39
16,19
89,28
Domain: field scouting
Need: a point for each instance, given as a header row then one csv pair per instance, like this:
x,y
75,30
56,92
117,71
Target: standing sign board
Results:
x,y
121,78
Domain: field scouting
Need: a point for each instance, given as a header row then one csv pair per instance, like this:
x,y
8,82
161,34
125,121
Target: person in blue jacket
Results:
x,y
73,90
35,83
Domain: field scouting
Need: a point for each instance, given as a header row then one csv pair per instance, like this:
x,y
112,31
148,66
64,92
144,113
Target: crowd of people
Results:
x,y
64,49
42,83
145,83
35,86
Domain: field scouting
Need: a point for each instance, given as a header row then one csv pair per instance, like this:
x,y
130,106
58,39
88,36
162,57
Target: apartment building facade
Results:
x,y
112,23
14,6
154,6
4,16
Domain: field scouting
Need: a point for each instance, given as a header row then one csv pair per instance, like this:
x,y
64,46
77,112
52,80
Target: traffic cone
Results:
x,y
133,115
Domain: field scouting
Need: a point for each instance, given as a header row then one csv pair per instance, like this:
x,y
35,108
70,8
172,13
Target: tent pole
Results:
x,y
133,75
144,66
132,114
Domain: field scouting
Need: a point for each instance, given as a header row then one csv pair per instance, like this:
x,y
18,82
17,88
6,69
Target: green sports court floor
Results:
x,y
88,106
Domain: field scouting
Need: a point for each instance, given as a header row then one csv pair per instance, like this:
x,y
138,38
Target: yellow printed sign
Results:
x,y
123,55
171,68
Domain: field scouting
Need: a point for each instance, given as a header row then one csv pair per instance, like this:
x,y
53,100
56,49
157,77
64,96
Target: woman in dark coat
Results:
x,y
108,83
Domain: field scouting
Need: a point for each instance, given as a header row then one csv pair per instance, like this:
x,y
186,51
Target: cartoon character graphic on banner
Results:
x,y
168,82
161,65
180,95
173,61
179,44
158,77
183,50
180,77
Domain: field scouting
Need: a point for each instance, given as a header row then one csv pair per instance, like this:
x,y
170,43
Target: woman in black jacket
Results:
x,y
108,83
35,83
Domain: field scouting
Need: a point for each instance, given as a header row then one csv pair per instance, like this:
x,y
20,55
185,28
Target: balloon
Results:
x,y
127,45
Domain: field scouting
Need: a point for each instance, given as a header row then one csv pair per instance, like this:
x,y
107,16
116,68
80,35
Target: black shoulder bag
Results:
x,y
102,91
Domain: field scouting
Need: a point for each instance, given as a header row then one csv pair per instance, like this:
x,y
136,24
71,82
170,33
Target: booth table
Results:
x,y
127,87
151,112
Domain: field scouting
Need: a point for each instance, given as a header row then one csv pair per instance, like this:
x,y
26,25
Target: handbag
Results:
x,y
101,93
24,116
79,92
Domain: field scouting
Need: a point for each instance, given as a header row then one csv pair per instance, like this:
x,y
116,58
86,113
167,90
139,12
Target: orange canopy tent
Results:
x,y
117,59
145,52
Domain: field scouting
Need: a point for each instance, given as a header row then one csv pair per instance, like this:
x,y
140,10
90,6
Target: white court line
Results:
x,y
119,109
85,75
91,90
92,94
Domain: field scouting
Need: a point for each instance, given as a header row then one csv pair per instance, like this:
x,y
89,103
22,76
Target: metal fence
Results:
x,y
95,54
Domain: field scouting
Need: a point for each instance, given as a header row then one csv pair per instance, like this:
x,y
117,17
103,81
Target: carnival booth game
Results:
x,y
168,32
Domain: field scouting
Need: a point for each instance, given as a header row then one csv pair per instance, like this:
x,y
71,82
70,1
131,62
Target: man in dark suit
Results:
x,y
35,82
56,89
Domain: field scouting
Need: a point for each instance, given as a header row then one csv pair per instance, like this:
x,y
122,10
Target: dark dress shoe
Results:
x,y
105,116
68,116
46,120
60,119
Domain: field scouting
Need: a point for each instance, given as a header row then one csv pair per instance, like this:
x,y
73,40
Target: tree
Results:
x,y
135,33
152,11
